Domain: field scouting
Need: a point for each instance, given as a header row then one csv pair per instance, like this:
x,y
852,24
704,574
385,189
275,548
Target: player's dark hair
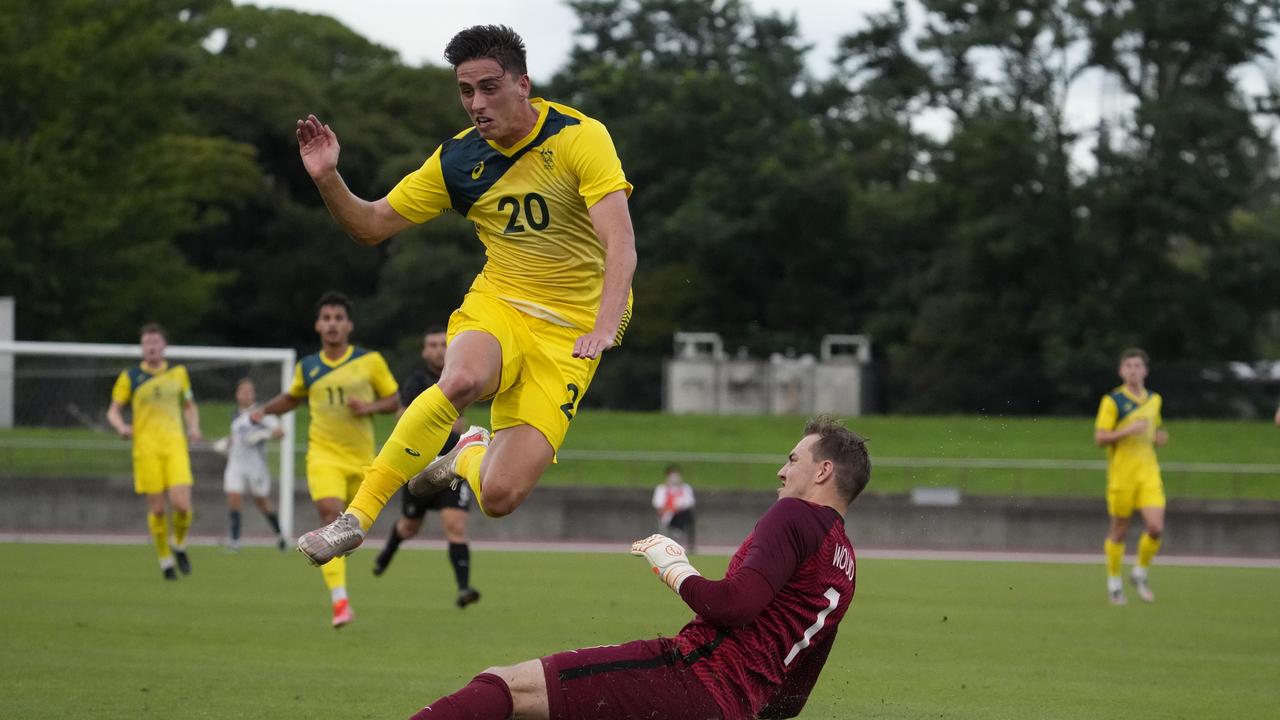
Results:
x,y
154,328
670,469
846,449
434,330
495,42
1134,352
332,298
244,381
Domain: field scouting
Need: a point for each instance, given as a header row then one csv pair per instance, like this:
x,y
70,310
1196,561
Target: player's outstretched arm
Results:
x,y
667,559
368,223
278,405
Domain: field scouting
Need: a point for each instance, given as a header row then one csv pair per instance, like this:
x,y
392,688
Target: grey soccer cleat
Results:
x,y
441,473
337,539
1116,596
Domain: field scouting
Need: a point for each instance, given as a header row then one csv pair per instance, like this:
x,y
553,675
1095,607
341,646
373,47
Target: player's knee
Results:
x,y
1155,530
462,386
499,504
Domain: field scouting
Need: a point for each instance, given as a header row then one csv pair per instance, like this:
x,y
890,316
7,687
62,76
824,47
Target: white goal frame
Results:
x,y
286,357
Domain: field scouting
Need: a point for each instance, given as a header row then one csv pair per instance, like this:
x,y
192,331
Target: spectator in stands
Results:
x,y
673,500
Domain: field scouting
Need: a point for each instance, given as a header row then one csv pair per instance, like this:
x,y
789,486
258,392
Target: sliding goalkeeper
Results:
x,y
759,637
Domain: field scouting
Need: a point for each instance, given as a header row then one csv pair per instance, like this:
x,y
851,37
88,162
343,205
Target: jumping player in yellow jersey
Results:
x,y
1129,426
544,186
159,398
344,386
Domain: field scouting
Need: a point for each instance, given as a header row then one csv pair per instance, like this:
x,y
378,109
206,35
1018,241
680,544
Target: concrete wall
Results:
x,y
1233,528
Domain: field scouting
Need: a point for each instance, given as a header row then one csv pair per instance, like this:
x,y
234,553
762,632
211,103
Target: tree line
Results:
x,y
148,170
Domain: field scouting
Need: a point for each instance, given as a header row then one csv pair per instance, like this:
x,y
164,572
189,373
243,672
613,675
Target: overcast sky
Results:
x,y
419,30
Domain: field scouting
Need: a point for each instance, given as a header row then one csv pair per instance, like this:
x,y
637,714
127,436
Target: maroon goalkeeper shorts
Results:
x,y
639,680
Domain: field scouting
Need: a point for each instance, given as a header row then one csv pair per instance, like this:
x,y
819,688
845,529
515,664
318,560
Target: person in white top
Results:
x,y
246,450
674,501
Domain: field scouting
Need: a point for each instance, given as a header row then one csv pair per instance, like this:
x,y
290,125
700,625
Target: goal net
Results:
x,y
54,432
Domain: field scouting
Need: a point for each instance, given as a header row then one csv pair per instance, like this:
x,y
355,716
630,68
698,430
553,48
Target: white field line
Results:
x,y
622,548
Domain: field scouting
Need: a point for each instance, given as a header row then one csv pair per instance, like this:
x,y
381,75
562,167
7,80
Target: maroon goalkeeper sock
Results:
x,y
486,697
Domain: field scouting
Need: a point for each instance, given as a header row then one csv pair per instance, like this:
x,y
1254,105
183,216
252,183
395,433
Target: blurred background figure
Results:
x,y
246,450
454,503
164,418
673,499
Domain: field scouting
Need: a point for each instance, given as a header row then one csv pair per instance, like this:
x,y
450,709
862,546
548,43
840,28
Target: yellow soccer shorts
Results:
x,y
542,382
1134,491
156,472
331,478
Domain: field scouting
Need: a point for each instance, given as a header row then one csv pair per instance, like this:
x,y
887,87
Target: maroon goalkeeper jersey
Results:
x,y
767,667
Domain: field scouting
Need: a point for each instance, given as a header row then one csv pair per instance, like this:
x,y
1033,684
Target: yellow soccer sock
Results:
x,y
1115,557
417,437
181,524
468,466
159,528
335,573
1147,549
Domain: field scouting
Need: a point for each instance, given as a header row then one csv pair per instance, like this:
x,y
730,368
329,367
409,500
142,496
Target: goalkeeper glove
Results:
x,y
222,445
667,558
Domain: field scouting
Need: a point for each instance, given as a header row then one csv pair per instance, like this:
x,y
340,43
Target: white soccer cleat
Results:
x,y
1115,590
337,539
1143,589
441,473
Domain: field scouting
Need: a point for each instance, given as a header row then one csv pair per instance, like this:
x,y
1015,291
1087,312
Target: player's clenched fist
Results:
x,y
667,558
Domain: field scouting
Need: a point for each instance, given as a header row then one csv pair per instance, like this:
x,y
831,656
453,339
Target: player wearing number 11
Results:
x,y
760,636
343,386
546,191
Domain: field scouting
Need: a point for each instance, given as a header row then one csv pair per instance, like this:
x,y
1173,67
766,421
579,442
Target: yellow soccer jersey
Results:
x,y
530,206
1135,454
336,433
156,399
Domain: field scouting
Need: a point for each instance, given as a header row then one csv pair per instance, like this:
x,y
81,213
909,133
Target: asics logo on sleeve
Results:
x,y
477,171
413,452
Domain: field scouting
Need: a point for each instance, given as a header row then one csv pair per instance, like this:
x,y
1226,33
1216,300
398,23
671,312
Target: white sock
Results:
x,y
338,593
166,562
1114,583
1139,572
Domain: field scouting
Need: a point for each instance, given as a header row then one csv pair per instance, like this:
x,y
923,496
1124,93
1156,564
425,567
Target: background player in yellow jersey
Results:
x,y
544,186
1129,426
344,386
159,399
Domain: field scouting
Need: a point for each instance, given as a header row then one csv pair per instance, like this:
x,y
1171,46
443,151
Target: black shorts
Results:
x,y
415,507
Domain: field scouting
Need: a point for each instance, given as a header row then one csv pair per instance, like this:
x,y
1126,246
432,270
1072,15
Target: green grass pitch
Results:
x,y
93,632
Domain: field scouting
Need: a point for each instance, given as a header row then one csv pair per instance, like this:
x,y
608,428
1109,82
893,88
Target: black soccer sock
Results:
x,y
273,520
235,524
393,544
460,559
